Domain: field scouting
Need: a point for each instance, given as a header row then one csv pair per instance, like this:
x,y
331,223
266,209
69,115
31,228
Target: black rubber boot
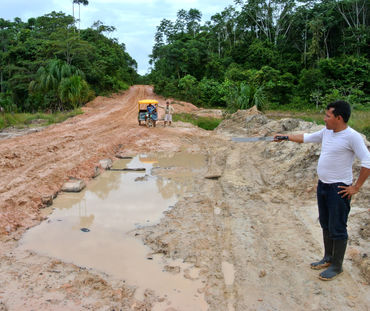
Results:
x,y
336,264
328,253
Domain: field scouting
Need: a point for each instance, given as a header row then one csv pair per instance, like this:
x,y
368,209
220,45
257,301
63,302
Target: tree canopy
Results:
x,y
272,53
47,64
276,52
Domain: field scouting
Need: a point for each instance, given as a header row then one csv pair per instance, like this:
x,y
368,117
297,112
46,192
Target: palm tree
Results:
x,y
251,95
73,90
244,96
79,2
50,78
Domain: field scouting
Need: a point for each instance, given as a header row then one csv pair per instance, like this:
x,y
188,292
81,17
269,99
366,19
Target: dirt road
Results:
x,y
251,230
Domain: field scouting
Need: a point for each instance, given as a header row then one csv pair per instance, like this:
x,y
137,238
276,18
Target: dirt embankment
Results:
x,y
251,229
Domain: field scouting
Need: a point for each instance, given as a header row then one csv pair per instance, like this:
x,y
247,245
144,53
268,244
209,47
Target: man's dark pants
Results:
x,y
333,210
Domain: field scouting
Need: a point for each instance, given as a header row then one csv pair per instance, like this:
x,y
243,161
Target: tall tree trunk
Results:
x,y
219,45
305,48
1,82
73,12
326,44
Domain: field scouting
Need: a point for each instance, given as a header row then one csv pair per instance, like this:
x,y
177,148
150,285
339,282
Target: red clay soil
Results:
x,y
34,167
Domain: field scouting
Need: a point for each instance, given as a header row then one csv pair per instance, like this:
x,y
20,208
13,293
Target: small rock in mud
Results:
x,y
172,269
142,178
75,185
106,164
47,200
262,273
96,172
3,307
365,231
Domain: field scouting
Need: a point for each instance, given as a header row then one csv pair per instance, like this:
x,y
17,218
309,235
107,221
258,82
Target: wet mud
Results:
x,y
242,240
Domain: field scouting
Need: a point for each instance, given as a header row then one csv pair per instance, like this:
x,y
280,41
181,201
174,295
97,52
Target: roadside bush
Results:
x,y
346,71
188,87
210,93
243,96
21,120
119,85
73,92
260,53
6,102
206,123
310,80
236,72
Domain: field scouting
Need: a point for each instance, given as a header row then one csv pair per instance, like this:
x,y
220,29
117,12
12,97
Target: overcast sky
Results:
x,y
135,20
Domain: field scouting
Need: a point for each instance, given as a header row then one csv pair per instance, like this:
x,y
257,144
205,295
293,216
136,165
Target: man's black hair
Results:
x,y
341,108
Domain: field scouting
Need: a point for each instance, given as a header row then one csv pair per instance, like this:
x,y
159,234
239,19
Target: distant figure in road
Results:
x,y
340,145
168,110
152,113
150,108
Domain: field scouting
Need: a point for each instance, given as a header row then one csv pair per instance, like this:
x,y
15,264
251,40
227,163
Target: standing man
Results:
x,y
168,110
340,145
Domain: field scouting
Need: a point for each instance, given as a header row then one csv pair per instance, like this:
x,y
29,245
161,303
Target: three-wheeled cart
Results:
x,y
147,117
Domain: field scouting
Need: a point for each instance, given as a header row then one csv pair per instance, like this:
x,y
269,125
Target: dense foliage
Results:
x,y
274,53
47,63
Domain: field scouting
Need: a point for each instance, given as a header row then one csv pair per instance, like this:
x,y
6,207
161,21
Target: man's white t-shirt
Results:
x,y
337,154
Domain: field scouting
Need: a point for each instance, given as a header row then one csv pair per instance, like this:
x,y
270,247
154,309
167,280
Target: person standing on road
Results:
x,y
340,145
168,110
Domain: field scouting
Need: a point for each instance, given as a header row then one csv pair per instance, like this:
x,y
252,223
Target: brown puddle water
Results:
x,y
113,204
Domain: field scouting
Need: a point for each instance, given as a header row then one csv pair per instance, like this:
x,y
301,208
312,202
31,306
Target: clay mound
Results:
x,y
182,107
252,122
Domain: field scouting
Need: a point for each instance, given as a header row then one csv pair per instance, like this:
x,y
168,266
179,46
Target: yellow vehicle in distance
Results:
x,y
149,116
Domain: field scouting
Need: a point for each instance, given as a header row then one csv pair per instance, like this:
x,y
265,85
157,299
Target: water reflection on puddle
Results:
x,y
113,204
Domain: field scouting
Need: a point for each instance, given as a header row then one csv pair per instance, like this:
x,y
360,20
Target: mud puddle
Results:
x,y
91,228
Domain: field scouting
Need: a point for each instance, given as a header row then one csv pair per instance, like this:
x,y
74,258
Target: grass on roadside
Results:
x,y
23,120
360,120
206,123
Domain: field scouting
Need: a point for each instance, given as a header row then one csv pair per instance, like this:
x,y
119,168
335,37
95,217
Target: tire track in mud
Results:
x,y
37,164
271,246
249,232
252,236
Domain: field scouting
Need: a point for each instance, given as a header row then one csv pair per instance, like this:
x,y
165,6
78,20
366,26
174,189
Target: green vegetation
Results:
x,y
206,123
280,54
23,120
360,120
47,64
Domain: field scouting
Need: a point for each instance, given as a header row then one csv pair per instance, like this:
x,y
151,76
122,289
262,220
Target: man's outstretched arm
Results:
x,y
297,138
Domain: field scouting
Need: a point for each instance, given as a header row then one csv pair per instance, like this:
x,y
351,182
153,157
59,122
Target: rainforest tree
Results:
x,y
45,64
276,52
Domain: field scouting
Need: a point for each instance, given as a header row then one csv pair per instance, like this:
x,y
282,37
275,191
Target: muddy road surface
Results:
x,y
239,236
